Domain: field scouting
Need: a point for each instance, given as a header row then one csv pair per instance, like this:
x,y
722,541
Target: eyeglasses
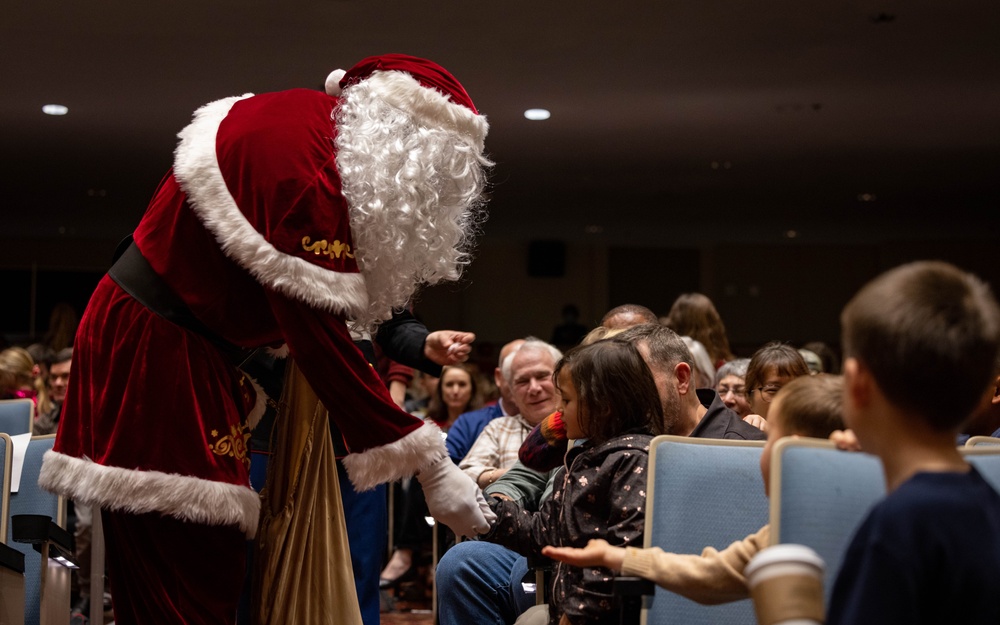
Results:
x,y
767,393
739,391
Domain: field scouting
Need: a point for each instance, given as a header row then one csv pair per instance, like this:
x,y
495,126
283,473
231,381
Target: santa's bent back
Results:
x,y
286,217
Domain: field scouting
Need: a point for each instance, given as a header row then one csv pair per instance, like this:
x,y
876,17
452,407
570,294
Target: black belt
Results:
x,y
134,275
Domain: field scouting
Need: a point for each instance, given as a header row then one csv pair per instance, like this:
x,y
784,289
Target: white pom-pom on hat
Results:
x,y
332,84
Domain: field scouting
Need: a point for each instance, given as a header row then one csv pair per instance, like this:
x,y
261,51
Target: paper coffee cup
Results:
x,y
786,584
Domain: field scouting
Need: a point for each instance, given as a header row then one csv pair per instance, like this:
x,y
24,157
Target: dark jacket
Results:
x,y
721,422
602,494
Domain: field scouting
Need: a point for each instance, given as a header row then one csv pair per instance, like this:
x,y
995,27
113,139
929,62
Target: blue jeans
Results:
x,y
479,583
366,518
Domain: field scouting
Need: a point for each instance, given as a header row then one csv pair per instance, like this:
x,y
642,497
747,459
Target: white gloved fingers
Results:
x,y
453,498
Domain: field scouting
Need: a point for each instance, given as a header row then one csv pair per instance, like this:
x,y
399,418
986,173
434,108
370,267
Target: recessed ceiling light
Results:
x,y
791,234
866,197
537,114
55,109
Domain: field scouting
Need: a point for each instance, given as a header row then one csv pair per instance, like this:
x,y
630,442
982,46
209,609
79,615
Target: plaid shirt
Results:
x,y
496,447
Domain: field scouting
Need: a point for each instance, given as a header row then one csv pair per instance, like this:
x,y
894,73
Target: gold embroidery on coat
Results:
x,y
333,250
233,444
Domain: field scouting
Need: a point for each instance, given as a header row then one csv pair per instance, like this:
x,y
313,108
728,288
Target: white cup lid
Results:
x,y
784,554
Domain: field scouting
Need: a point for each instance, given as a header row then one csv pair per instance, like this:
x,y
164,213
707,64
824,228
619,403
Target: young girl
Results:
x,y
608,398
807,406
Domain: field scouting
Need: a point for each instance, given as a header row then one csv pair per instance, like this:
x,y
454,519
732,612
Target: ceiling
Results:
x,y
672,122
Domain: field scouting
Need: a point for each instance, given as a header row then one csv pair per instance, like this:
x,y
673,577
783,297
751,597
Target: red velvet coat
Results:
x,y
251,231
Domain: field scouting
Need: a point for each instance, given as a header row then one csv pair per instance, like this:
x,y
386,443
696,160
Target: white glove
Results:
x,y
454,499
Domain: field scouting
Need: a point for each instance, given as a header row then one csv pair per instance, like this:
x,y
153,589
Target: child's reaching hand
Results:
x,y
597,553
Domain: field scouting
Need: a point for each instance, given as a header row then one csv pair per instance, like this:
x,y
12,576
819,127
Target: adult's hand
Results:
x,y
448,347
757,421
454,499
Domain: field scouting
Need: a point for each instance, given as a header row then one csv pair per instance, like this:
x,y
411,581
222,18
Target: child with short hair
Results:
x,y
610,399
807,406
920,342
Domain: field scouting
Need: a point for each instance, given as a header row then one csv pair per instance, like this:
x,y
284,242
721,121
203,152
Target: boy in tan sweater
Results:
x,y
806,406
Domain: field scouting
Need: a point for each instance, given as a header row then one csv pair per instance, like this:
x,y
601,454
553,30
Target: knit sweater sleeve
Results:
x,y
710,578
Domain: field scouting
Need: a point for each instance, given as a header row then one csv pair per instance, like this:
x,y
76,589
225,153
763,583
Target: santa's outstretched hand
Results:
x,y
454,499
448,347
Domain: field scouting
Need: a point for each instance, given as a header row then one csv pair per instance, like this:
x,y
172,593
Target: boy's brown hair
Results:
x,y
615,390
929,333
812,405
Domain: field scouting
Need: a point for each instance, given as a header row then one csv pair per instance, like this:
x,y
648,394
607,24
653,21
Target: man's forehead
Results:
x,y
532,361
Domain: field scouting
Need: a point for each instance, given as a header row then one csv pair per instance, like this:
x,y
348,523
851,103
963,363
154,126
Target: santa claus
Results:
x,y
289,218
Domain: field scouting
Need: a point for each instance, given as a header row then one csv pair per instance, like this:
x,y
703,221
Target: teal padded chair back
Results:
x,y
820,495
702,492
6,455
31,499
986,459
16,416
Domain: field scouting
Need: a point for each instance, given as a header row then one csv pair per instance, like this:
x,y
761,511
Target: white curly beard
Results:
x,y
414,197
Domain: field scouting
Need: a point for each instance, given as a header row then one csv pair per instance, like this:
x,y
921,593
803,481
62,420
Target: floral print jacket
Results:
x,y
599,493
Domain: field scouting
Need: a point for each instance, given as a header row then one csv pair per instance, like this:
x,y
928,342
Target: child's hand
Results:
x,y
597,553
757,421
846,440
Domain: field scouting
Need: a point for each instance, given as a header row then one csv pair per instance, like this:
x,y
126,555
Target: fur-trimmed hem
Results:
x,y
196,168
430,106
138,492
410,454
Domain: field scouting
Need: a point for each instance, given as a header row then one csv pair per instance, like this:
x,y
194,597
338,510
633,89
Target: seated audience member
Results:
x,y
704,371
694,315
20,376
527,371
806,406
422,389
730,384
627,315
985,419
47,419
480,582
771,367
468,426
609,400
827,356
455,394
813,361
920,345
42,354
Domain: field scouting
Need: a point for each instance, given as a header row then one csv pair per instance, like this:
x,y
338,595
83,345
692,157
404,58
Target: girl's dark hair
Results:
x,y
615,389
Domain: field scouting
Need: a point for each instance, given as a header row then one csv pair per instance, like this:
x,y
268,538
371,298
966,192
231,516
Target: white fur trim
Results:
x,y
410,454
430,106
138,492
259,405
196,168
332,84
278,352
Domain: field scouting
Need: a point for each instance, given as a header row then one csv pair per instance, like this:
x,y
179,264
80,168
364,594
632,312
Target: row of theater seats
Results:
x,y
710,492
36,550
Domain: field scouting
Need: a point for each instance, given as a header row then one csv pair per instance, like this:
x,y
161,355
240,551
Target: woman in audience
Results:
x,y
457,392
609,398
694,315
770,368
20,377
730,384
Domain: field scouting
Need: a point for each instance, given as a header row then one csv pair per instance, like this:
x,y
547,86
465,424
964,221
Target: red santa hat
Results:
x,y
419,87
260,172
